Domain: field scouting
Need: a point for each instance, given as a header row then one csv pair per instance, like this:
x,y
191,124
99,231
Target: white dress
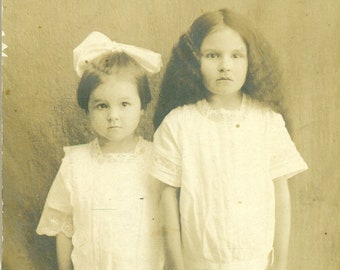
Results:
x,y
108,204
224,162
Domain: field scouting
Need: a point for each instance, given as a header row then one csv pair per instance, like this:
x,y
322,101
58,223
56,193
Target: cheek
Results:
x,y
134,115
133,121
205,73
245,67
94,119
203,68
208,67
242,69
90,117
138,115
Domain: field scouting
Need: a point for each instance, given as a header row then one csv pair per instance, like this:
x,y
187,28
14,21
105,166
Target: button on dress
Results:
x,y
225,162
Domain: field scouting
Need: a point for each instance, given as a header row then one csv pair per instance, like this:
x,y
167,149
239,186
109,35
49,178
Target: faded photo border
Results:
x,y
40,116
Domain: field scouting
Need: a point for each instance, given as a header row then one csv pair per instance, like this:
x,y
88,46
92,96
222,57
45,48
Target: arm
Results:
x,y
173,245
282,223
64,249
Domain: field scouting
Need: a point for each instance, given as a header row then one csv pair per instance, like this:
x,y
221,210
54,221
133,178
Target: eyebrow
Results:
x,y
218,50
243,49
104,100
98,100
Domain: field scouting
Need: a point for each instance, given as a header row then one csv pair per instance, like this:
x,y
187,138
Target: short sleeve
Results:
x,y
57,213
285,160
166,155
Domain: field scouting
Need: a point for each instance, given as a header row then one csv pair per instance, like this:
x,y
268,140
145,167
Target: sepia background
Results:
x,y
40,115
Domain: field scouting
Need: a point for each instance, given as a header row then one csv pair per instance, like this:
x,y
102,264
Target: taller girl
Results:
x,y
225,147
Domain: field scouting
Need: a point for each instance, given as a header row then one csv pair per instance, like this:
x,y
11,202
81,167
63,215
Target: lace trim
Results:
x,y
67,227
117,157
162,162
53,226
231,117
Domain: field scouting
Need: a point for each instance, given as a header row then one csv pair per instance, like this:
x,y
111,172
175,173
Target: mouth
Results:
x,y
224,79
114,127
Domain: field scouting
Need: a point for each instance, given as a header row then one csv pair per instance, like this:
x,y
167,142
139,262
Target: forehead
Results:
x,y
117,85
223,37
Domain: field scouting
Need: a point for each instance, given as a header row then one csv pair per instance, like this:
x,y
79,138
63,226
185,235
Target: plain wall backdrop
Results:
x,y
40,114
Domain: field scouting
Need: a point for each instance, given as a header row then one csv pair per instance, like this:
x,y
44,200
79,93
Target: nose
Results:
x,y
113,114
225,64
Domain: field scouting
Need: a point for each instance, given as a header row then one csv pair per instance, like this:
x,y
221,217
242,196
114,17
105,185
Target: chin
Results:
x,y
226,92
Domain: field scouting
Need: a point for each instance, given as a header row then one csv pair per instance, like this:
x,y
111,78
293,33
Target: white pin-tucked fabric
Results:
x,y
225,162
96,44
108,204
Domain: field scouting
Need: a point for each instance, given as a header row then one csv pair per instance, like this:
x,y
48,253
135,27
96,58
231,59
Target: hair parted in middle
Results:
x,y
115,63
182,82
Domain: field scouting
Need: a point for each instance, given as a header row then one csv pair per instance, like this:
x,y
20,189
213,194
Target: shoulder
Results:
x,y
176,123
77,161
259,109
76,150
144,146
181,114
173,126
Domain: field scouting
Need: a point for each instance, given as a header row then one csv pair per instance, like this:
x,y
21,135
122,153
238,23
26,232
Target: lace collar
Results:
x,y
234,117
97,153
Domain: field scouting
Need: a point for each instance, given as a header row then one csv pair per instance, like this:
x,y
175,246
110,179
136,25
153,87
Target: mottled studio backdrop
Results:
x,y
40,115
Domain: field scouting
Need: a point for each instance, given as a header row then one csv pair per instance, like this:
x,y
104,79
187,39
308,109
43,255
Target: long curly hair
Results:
x,y
182,82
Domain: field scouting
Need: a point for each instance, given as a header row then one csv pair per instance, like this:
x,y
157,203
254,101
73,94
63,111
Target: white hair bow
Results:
x,y
96,44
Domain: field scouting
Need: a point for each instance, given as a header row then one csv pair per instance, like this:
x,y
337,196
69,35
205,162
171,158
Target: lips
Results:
x,y
224,79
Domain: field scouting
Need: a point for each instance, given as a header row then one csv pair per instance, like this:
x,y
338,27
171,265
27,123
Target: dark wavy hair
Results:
x,y
106,65
182,82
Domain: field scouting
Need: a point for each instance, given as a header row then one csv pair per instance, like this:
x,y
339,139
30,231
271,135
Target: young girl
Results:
x,y
223,150
102,206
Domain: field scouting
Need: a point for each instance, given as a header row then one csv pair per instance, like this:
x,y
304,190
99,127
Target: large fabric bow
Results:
x,y
96,44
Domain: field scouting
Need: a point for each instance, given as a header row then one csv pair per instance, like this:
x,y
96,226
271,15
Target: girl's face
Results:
x,y
224,61
115,109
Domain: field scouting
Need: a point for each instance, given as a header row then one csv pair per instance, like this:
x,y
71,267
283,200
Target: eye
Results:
x,y
101,106
125,103
237,55
211,55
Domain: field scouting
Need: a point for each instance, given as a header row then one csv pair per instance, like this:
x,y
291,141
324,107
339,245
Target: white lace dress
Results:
x,y
224,162
108,204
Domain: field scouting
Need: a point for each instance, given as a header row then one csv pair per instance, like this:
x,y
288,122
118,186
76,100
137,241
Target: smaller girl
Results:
x,y
223,151
102,206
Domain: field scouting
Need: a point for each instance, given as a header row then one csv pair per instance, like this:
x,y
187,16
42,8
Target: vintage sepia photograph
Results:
x,y
170,135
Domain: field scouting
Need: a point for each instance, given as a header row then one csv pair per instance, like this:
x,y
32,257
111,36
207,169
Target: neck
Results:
x,y
125,145
230,101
